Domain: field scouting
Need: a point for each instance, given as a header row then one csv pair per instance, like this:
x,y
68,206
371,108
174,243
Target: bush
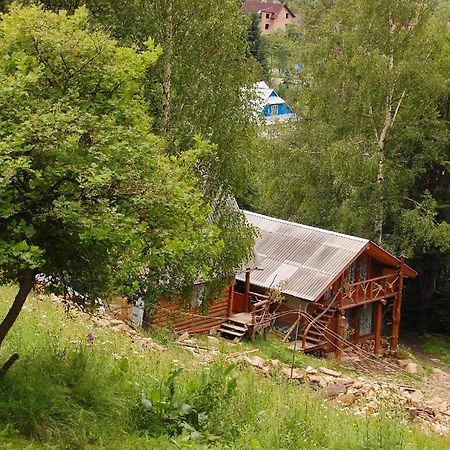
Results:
x,y
184,407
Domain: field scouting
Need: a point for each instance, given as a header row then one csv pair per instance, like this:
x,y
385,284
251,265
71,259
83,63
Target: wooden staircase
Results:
x,y
233,330
312,338
248,323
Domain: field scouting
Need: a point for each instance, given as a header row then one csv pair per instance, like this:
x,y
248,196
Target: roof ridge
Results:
x,y
288,222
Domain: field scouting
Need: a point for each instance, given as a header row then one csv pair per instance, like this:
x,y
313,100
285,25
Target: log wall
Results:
x,y
192,319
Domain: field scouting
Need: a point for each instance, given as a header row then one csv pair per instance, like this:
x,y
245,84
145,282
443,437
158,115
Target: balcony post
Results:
x,y
247,291
396,311
378,321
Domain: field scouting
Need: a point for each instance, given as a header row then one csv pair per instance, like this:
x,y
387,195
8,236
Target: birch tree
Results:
x,y
373,79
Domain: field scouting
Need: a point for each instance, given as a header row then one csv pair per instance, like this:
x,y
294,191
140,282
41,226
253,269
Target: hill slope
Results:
x,y
81,385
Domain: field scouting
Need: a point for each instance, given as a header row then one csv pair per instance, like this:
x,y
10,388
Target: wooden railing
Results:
x,y
316,318
259,309
369,290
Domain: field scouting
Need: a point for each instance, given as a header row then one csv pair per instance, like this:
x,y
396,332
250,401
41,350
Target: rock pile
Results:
x,y
118,325
362,395
104,320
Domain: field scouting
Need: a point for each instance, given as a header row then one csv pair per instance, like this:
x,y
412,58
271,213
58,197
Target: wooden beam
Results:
x,y
355,337
373,300
230,299
378,321
247,291
340,333
397,311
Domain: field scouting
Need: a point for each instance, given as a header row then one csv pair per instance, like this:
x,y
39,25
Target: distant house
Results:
x,y
339,292
270,106
273,16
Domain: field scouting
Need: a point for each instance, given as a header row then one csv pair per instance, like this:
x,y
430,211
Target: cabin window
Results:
x,y
266,26
328,294
287,15
352,273
274,110
366,320
363,266
267,111
267,16
350,324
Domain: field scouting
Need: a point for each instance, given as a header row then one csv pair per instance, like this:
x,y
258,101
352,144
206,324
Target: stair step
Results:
x,y
309,346
316,334
321,322
326,315
312,338
234,333
234,326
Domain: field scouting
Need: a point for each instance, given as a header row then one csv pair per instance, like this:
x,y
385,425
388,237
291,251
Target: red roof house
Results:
x,y
273,16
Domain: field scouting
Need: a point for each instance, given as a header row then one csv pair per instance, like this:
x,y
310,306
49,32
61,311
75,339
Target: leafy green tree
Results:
x,y
366,92
197,86
367,65
87,196
257,44
425,238
282,49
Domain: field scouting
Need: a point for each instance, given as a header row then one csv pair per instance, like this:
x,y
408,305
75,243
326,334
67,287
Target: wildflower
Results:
x,y
90,337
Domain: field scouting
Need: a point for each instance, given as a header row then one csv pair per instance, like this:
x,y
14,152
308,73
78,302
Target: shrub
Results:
x,y
184,407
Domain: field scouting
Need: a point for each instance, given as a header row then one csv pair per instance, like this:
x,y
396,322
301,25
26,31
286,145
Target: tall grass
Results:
x,y
65,392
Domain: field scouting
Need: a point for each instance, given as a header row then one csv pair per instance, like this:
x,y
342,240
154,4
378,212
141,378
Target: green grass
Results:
x,y
274,348
64,392
438,346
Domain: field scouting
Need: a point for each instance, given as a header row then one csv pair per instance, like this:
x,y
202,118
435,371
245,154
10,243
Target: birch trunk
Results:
x,y
381,142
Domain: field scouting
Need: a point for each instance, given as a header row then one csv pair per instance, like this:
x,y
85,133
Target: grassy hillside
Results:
x,y
68,392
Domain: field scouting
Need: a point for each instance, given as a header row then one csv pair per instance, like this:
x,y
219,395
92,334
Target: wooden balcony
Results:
x,y
369,291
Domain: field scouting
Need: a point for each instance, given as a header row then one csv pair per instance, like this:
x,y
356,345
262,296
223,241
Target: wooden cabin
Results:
x,y
228,315
339,291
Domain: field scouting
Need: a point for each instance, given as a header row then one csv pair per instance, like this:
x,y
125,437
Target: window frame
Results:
x,y
363,268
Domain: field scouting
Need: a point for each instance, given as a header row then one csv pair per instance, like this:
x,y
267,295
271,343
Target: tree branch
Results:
x,y
397,108
11,360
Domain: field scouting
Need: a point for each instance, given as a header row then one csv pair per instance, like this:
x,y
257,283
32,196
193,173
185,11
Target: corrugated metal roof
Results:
x,y
265,95
299,259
